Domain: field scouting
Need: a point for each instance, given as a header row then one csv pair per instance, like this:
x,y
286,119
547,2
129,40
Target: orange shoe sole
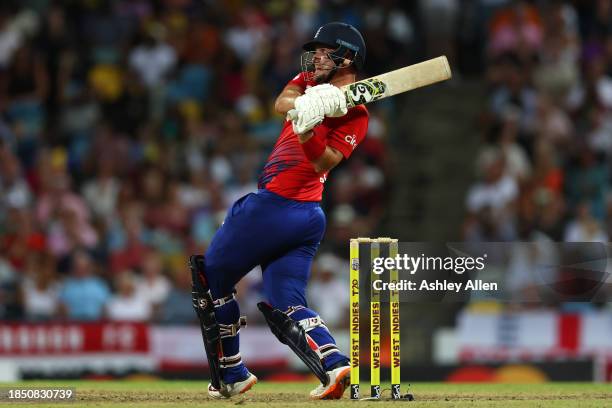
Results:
x,y
249,387
337,390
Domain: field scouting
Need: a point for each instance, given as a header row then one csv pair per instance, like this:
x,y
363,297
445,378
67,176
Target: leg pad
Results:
x,y
289,332
204,306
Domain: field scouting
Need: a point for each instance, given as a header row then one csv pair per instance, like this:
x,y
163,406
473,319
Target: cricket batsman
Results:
x,y
281,225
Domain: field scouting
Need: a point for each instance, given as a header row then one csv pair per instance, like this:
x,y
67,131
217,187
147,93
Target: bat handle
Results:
x,y
292,114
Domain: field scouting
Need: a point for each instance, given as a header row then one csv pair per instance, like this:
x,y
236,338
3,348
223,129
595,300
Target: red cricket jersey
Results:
x,y
289,173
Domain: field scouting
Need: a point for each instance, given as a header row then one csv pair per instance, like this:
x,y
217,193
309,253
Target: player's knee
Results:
x,y
206,276
277,304
204,279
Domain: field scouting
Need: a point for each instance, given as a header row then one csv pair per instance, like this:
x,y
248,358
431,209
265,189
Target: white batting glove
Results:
x,y
331,97
307,104
309,112
306,120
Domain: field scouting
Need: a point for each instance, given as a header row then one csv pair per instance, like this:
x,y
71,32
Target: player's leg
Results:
x,y
228,258
257,228
285,281
228,374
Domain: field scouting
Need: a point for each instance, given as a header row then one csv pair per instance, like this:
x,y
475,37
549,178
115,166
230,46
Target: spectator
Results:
x,y
129,303
10,37
515,97
152,59
177,308
590,100
70,231
517,163
22,239
585,228
83,295
14,190
516,28
24,95
553,124
102,192
128,238
530,267
558,69
491,203
41,289
587,182
152,284
247,36
327,290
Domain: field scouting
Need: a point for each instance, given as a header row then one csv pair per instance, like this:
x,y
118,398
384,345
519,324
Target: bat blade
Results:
x,y
397,81
394,82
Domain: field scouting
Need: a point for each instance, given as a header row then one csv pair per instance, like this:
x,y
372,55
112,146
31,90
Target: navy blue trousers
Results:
x,y
282,236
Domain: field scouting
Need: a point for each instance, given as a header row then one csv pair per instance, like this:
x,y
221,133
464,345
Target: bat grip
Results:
x,y
292,114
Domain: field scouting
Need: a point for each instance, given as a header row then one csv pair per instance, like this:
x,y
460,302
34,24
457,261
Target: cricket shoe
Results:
x,y
229,390
338,381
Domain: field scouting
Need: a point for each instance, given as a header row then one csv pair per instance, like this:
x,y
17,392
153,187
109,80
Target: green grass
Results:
x,y
149,394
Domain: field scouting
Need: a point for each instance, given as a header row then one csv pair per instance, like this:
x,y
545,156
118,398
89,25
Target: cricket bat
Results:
x,y
394,82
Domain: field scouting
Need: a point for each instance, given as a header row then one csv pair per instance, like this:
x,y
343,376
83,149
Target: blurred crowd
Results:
x,y
127,128
544,168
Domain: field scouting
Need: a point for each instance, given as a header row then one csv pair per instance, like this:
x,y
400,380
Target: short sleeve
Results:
x,y
299,81
349,132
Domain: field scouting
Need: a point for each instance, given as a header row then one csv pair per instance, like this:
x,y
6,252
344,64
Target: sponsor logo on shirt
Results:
x,y
351,139
323,179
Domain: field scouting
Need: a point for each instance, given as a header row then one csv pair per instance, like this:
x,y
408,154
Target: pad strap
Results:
x,y
312,323
226,299
230,361
327,349
232,329
292,309
324,350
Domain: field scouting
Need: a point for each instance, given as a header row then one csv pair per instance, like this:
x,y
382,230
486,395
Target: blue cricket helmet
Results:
x,y
344,38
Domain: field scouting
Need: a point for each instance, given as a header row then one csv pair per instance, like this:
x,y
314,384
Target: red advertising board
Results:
x,y
20,339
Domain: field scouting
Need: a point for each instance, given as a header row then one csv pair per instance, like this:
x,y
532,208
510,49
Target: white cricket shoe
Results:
x,y
229,390
338,381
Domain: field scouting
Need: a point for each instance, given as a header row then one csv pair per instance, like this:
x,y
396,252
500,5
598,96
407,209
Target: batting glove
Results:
x,y
306,120
331,98
309,112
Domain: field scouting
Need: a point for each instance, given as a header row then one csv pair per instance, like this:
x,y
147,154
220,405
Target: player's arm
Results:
x,y
286,100
327,160
325,147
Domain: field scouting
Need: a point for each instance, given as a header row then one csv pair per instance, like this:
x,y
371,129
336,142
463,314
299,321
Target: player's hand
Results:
x,y
306,120
331,98
309,105
309,112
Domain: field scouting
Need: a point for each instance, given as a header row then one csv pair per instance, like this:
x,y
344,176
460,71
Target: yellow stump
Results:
x,y
394,313
375,323
354,318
